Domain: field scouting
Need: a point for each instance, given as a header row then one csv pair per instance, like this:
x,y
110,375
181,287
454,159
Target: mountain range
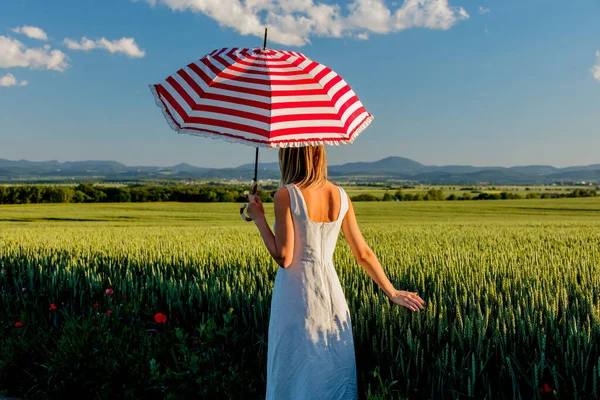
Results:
x,y
387,169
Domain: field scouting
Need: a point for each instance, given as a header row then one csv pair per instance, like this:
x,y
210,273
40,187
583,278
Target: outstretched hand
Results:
x,y
409,300
255,207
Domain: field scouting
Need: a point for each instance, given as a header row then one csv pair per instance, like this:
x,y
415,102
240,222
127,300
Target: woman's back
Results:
x,y
311,349
324,203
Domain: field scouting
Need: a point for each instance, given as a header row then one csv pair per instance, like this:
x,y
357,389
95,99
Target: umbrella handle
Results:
x,y
244,216
242,208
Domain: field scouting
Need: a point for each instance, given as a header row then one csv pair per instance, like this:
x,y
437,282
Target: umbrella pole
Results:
x,y
255,188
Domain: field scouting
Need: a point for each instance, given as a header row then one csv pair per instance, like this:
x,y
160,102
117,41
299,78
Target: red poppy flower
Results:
x,y
109,291
196,341
96,305
109,311
52,307
123,297
18,324
160,318
546,389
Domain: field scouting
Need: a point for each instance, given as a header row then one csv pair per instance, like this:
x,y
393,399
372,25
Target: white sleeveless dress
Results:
x,y
310,344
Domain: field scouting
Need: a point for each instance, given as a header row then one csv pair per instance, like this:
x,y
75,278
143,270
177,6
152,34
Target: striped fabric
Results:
x,y
262,97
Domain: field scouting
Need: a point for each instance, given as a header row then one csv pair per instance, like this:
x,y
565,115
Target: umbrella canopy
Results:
x,y
263,98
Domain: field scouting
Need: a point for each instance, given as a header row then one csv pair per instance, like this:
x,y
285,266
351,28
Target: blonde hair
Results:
x,y
303,166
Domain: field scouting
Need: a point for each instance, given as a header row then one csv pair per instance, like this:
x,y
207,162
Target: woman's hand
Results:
x,y
255,207
406,299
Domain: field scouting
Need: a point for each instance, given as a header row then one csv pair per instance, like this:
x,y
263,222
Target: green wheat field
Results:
x,y
512,290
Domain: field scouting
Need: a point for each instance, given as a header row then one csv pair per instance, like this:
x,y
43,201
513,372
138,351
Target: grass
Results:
x,y
512,289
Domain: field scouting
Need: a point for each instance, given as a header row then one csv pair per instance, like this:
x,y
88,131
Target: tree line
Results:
x,y
90,193
438,194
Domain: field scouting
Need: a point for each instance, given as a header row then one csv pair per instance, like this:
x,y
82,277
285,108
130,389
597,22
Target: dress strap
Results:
x,y
297,204
343,205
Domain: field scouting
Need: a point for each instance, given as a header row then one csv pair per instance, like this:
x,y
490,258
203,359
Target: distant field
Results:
x,y
379,192
585,210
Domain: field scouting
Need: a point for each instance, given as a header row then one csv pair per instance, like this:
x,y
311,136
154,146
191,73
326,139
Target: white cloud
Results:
x,y
483,10
293,22
124,45
31,31
432,14
596,68
15,54
10,80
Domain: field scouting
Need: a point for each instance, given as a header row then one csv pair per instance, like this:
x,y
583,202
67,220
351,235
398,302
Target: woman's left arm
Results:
x,y
280,244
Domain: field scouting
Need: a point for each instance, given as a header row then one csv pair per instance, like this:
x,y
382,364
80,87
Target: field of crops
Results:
x,y
172,301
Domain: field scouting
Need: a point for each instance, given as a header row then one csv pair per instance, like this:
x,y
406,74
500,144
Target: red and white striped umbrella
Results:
x,y
263,98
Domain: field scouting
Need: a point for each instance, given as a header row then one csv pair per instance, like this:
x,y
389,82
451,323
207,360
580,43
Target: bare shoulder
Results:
x,y
282,196
330,186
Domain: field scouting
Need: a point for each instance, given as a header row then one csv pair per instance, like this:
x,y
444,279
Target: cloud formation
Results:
x,y
10,80
13,54
596,68
483,10
124,45
32,32
293,22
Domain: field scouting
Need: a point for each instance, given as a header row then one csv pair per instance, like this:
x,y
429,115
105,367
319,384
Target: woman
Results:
x,y
310,344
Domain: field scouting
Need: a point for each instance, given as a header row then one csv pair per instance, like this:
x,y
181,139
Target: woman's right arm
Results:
x,y
370,263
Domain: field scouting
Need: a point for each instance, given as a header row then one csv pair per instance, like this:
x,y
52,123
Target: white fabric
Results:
x,y
310,344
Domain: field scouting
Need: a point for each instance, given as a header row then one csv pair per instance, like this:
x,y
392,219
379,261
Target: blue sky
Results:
x,y
481,82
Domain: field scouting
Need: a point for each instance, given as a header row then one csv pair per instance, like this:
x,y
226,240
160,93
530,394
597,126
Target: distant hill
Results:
x,y
535,169
273,166
390,168
389,165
